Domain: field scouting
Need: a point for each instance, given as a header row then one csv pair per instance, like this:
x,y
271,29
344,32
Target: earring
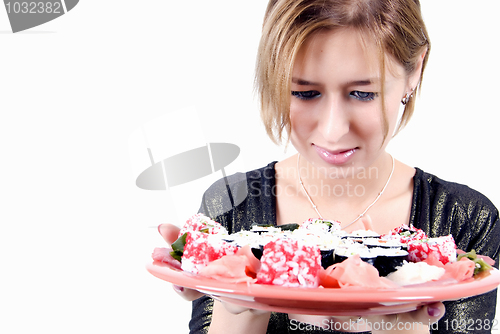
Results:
x,y
407,98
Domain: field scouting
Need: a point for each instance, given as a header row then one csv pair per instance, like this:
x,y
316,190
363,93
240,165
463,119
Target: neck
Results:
x,y
343,191
344,183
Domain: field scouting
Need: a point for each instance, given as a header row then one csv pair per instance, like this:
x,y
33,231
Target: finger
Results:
x,y
258,312
418,320
237,309
187,294
169,232
427,314
434,311
346,318
233,308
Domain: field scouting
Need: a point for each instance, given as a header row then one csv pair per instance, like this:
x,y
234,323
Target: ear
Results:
x,y
414,78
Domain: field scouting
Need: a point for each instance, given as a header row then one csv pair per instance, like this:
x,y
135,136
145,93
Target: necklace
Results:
x,y
363,213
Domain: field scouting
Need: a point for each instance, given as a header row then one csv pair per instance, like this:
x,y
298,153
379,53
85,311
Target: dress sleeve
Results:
x,y
479,230
224,202
215,200
201,315
442,208
236,202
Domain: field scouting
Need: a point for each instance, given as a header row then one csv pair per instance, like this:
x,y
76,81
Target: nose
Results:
x,y
334,122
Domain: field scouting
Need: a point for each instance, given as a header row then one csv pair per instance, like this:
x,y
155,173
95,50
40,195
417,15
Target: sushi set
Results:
x,y
316,268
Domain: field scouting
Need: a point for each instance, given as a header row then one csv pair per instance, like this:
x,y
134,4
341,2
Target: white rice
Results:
x,y
364,233
415,273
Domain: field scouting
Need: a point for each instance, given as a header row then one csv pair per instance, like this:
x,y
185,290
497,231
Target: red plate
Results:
x,y
320,301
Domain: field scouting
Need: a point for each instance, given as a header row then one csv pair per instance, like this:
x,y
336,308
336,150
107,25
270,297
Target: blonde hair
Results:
x,y
396,26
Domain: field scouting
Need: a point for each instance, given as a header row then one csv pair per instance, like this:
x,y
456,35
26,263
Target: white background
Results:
x,y
75,230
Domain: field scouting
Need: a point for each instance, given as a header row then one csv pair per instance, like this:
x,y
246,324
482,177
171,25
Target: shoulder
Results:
x,y
261,176
441,207
230,191
433,187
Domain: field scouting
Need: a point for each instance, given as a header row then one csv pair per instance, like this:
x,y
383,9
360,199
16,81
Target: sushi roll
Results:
x,y
385,260
327,247
342,253
384,243
321,226
258,243
362,234
443,248
266,228
388,259
327,257
290,263
202,248
261,229
289,227
405,234
326,242
200,222
253,238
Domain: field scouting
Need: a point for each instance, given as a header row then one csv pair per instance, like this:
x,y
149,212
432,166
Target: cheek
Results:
x,y
371,126
369,121
393,105
301,118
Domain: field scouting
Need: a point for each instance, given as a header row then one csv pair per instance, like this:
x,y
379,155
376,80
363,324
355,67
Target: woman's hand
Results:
x,y
417,321
169,233
224,314
403,322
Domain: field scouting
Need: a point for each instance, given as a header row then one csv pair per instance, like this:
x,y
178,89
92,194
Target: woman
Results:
x,y
332,76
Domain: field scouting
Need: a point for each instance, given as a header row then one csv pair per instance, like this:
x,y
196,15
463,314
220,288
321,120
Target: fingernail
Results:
x,y
433,311
178,288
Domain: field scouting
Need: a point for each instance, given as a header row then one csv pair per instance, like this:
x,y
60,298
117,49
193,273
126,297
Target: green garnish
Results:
x,y
480,264
262,225
178,247
289,227
327,223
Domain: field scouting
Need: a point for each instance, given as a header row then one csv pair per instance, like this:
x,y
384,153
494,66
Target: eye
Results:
x,y
306,95
363,96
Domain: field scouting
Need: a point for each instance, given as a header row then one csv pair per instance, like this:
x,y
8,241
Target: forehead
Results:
x,y
343,54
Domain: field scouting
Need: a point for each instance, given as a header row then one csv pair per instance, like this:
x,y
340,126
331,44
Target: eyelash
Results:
x,y
312,94
306,95
368,96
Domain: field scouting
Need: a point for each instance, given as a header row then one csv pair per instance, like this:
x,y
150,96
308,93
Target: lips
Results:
x,y
335,157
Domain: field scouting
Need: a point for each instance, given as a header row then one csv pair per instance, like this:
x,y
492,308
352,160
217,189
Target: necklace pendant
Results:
x,y
362,214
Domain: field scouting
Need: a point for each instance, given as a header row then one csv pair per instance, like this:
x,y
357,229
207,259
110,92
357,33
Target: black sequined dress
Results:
x,y
439,208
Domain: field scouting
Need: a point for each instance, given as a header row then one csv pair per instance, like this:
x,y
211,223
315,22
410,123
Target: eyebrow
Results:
x,y
302,82
361,82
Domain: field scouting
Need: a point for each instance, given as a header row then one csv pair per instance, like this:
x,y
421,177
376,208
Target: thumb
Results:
x,y
187,294
428,314
169,232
